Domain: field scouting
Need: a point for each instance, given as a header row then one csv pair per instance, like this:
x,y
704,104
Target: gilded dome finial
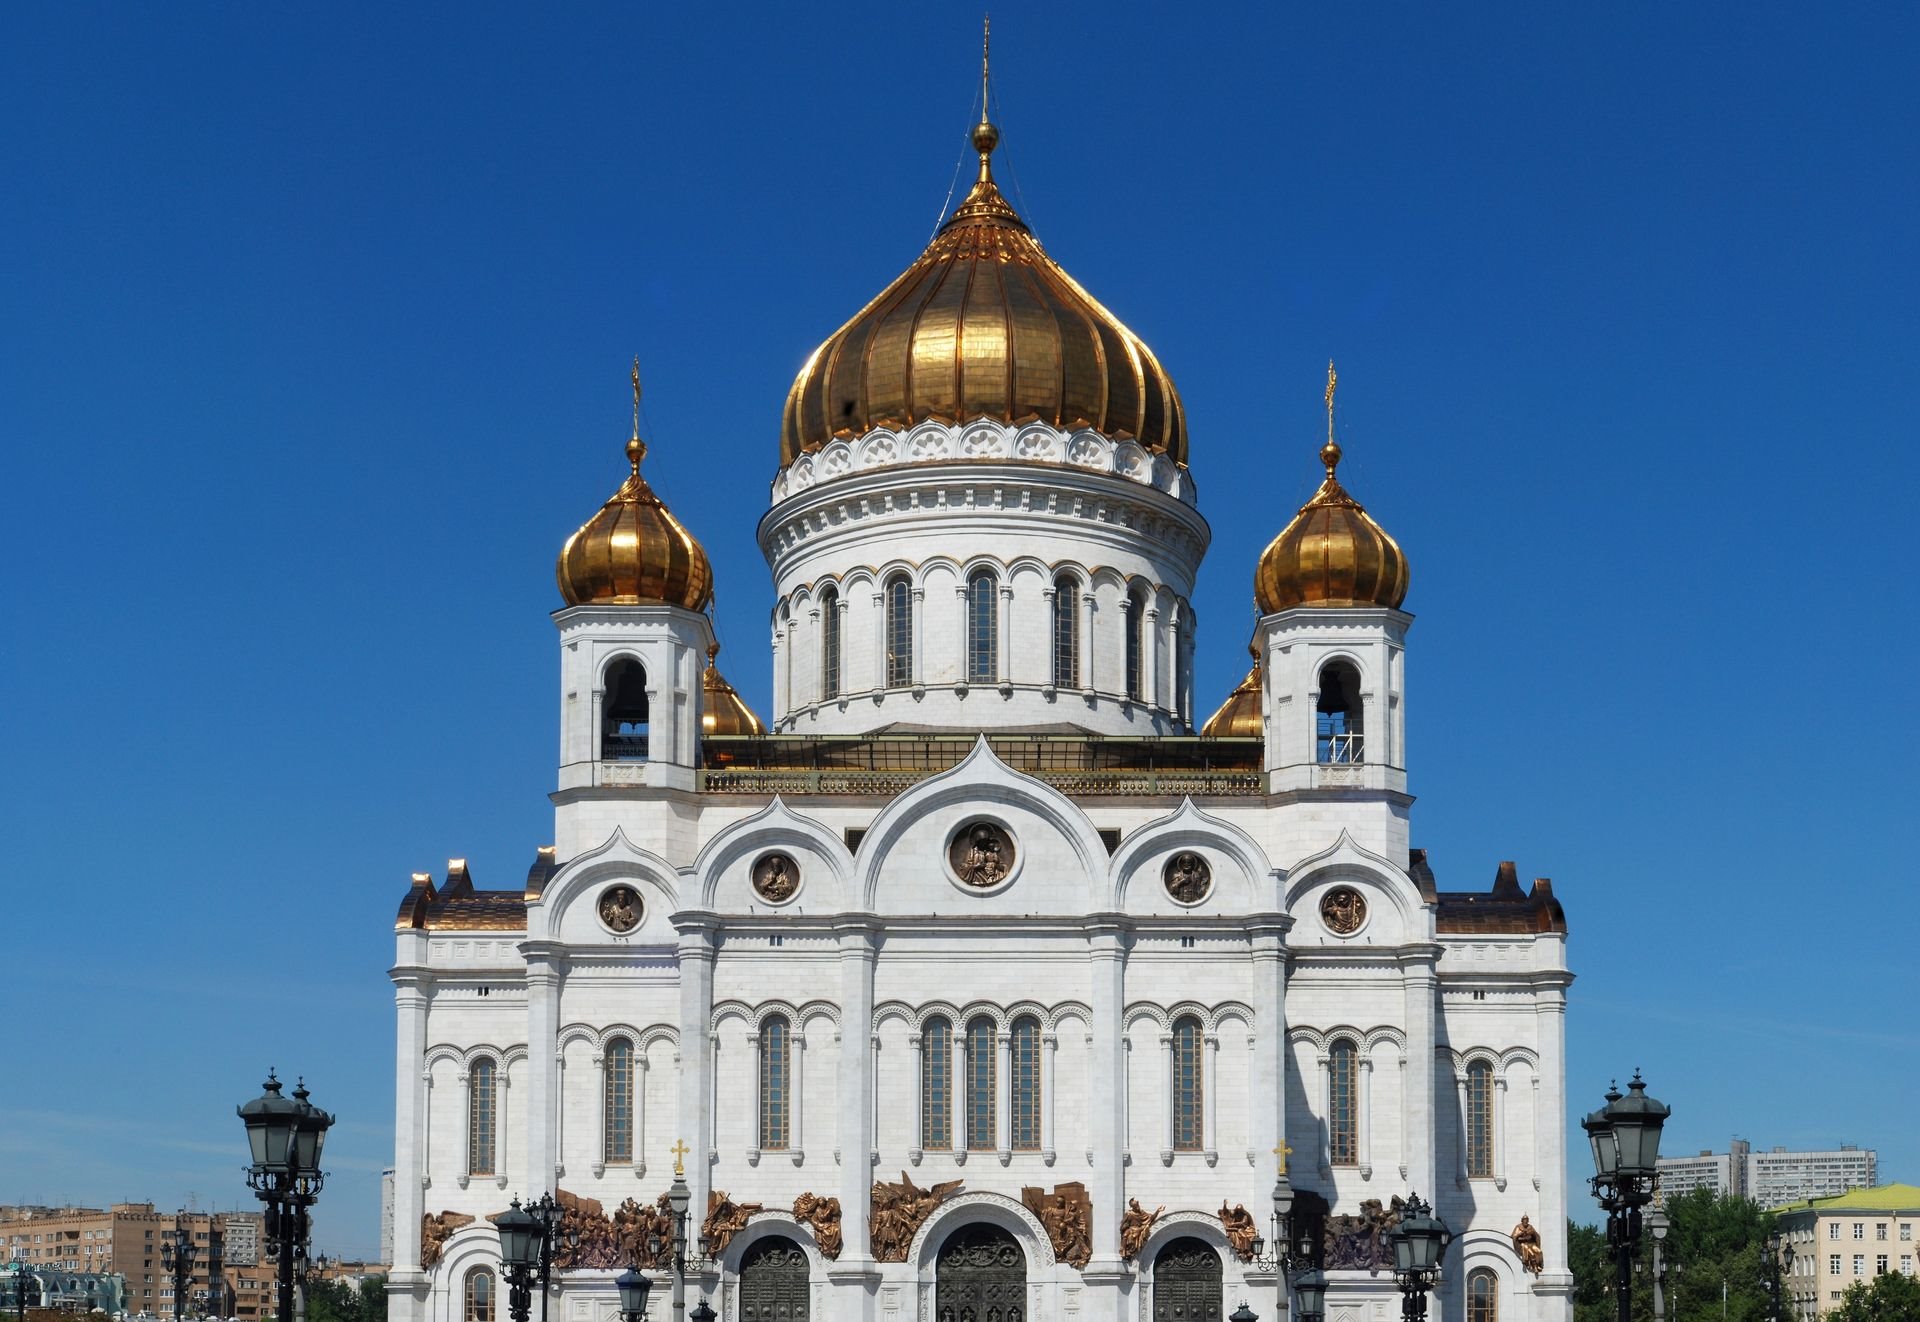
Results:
x,y
1330,452
636,448
985,136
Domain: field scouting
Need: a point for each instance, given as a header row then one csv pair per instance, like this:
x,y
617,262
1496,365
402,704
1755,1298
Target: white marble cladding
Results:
x,y
880,939
986,440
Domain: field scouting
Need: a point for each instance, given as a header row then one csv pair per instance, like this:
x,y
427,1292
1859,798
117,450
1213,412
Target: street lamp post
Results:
x,y
1657,1224
1625,1134
1779,1265
675,1247
20,1288
1296,1254
285,1136
176,1256
1419,1243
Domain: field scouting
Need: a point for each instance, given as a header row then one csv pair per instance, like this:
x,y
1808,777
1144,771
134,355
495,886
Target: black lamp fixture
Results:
x,y
176,1256
1296,1244
285,1137
1310,1296
522,1249
634,1287
1419,1243
1625,1134
701,1312
1243,1314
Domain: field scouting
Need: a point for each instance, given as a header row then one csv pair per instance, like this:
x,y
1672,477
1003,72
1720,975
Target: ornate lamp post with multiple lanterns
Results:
x,y
177,1255
1419,1243
1625,1134
1296,1254
285,1136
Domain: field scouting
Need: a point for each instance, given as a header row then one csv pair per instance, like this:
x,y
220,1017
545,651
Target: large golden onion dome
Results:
x,y
634,552
722,710
985,324
1332,554
1240,716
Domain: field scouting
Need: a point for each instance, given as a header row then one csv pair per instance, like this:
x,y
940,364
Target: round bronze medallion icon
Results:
x,y
1342,910
776,877
620,908
981,854
1187,877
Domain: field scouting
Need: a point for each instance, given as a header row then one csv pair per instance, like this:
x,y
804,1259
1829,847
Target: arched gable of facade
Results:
x,y
475,1244
978,785
564,912
1205,1227
1380,880
1242,878
721,871
1010,1214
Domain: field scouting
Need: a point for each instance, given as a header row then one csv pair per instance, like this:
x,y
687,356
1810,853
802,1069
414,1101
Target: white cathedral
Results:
x,y
981,988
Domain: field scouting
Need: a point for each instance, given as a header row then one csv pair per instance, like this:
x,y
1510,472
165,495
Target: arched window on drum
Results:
x,y
829,644
899,625
1066,632
983,629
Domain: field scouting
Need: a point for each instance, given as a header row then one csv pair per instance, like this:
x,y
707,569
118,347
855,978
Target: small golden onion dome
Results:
x,y
634,552
722,710
1239,715
985,324
1332,554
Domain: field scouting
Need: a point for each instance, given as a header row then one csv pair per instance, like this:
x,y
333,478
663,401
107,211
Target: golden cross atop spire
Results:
x,y
636,448
1330,452
679,1151
986,49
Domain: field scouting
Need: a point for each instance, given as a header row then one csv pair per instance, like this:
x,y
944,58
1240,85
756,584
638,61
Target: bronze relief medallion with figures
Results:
x,y
1343,910
1188,877
621,908
981,854
776,877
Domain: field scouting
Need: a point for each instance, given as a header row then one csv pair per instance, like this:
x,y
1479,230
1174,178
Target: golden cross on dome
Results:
x,y
1333,379
1330,452
636,396
1285,1149
679,1151
986,49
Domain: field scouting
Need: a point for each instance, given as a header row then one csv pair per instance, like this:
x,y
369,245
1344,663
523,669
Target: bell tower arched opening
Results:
x,y
1339,725
624,713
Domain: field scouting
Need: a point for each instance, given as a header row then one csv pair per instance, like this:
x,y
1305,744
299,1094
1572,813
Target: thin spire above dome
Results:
x,y
1239,717
722,710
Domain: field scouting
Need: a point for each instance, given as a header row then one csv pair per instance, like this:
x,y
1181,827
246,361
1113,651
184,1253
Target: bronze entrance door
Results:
x,y
1186,1283
773,1282
980,1276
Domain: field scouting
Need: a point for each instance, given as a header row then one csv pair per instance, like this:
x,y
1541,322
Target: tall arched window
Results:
x,y
980,1085
899,632
1136,625
482,1115
623,712
1483,1296
936,1086
1189,1086
1066,632
1024,1063
479,1295
829,644
617,1063
1338,718
776,1083
983,628
1480,1120
1343,1103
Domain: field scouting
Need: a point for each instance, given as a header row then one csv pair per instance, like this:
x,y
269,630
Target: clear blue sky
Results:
x,y
314,347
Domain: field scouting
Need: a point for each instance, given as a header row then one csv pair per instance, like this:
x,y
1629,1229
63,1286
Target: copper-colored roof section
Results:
x,y
544,866
1332,554
1506,910
1240,714
722,710
634,552
458,907
985,324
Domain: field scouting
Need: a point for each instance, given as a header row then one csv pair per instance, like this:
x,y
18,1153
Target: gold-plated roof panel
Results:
x,y
1240,714
983,324
722,710
634,552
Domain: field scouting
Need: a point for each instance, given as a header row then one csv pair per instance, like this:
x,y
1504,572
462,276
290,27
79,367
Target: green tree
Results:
x,y
1889,1297
1713,1245
342,1301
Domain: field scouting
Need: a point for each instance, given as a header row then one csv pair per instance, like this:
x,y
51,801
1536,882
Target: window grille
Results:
x,y
1066,633
480,1116
1480,1120
983,633
1339,736
776,1064
618,1064
1136,623
1483,1299
1343,1110
830,644
479,1293
980,1085
1188,1086
936,1086
899,633
1025,1064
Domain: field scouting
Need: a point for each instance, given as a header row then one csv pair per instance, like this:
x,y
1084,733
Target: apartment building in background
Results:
x,y
130,1239
1849,1237
1771,1178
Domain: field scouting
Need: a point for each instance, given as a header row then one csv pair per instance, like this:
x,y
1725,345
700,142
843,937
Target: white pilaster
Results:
x,y
1417,968
1003,1097
858,942
1049,1046
696,952
546,969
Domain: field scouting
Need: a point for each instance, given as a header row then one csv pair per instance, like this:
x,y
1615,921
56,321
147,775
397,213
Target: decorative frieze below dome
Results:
x,y
987,440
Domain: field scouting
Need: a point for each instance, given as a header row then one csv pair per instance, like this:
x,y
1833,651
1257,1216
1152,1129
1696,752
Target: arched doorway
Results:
x,y
1186,1283
773,1281
980,1276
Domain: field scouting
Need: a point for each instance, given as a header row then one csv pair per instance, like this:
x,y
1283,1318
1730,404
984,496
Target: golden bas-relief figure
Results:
x,y
1067,1214
634,1224
1526,1243
822,1217
1136,1223
725,1219
899,1210
434,1233
1240,1230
